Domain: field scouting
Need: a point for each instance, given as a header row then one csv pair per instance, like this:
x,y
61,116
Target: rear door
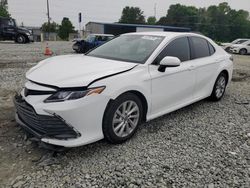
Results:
x,y
205,62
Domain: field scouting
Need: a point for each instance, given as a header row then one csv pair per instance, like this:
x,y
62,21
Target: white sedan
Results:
x,y
74,100
242,49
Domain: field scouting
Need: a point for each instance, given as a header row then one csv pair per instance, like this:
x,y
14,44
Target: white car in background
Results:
x,y
227,46
241,49
73,100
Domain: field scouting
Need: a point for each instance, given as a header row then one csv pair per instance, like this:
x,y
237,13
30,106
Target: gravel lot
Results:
x,y
206,144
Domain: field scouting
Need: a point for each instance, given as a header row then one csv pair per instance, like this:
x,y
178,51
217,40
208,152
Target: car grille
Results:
x,y
42,126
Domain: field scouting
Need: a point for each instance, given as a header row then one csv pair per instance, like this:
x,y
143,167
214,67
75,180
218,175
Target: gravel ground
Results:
x,y
206,144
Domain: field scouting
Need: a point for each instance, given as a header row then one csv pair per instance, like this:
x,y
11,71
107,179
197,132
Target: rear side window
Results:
x,y
200,47
177,48
211,49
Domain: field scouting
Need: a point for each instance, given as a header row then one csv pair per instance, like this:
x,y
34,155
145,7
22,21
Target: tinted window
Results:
x,y
177,48
200,47
211,48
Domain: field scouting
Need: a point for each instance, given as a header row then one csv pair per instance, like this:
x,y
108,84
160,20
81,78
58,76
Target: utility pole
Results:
x,y
48,18
155,10
80,26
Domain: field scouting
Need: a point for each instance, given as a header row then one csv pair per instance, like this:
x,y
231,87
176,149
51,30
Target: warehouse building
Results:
x,y
118,28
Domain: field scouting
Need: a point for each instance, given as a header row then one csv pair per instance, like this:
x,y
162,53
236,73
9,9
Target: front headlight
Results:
x,y
61,96
28,34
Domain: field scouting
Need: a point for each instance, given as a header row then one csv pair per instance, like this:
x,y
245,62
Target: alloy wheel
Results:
x,y
126,118
220,87
243,52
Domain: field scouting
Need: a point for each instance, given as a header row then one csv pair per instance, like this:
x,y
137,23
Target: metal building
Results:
x,y
118,28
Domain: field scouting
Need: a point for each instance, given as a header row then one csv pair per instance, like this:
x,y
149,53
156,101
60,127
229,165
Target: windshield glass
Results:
x,y
90,38
15,23
131,48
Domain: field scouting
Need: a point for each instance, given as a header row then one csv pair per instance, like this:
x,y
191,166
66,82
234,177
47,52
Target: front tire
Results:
x,y
243,52
219,87
227,49
122,118
21,39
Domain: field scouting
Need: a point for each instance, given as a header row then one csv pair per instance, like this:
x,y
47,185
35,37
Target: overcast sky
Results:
x,y
33,12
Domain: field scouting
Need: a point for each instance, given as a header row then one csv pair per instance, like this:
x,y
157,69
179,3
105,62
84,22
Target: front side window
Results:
x,y
200,47
131,48
177,48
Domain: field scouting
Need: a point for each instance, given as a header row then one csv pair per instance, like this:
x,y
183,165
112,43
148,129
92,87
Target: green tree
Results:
x,y
226,24
52,27
132,15
151,20
180,15
221,22
4,8
65,29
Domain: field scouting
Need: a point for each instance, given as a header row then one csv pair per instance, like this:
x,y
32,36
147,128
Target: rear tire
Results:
x,y
243,52
122,118
219,87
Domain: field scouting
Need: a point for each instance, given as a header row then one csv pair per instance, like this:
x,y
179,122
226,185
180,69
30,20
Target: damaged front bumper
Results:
x,y
42,126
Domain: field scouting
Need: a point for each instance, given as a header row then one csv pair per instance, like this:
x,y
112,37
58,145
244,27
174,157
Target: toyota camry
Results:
x,y
73,100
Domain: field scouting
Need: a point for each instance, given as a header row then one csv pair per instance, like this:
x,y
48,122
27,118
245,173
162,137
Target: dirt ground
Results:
x,y
19,156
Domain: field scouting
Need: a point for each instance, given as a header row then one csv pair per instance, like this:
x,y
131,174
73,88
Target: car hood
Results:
x,y
75,70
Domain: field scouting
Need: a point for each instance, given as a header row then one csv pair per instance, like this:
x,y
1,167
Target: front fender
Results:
x,y
137,79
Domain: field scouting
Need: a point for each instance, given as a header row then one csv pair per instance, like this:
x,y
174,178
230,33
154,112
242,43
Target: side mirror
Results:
x,y
169,61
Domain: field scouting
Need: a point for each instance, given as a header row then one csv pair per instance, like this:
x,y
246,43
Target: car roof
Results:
x,y
167,34
108,35
242,39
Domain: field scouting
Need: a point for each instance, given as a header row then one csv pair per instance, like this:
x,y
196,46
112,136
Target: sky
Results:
x,y
34,12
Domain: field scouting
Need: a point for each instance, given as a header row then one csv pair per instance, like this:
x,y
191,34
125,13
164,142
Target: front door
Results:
x,y
174,87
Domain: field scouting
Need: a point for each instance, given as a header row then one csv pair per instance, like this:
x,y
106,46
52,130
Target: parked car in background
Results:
x,y
92,41
227,46
109,91
242,49
10,31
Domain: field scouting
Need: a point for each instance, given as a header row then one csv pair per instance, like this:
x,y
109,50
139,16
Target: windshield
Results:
x,y
131,48
90,38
